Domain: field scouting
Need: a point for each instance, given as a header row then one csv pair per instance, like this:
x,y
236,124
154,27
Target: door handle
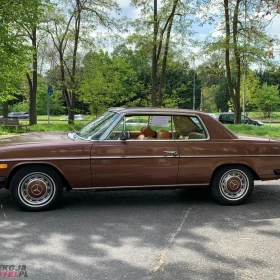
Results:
x,y
174,153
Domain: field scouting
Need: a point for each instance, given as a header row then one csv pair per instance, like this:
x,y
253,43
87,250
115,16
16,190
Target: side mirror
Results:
x,y
125,135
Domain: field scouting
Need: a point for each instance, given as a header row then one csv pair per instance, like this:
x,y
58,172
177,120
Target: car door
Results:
x,y
134,162
192,139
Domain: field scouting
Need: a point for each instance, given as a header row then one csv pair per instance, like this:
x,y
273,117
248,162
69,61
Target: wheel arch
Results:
x,y
236,165
20,166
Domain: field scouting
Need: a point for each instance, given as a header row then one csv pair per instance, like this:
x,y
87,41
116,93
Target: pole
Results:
x,y
48,109
49,93
194,84
245,64
244,91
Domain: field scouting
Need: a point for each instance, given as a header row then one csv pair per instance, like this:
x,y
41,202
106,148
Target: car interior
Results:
x,y
160,128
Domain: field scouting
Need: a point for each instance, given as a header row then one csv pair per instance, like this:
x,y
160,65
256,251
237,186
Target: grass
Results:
x,y
267,130
55,125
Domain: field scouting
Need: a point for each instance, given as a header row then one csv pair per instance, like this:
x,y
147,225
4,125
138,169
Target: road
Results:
x,y
151,235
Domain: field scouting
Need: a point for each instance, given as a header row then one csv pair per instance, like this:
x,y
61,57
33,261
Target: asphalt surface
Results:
x,y
151,235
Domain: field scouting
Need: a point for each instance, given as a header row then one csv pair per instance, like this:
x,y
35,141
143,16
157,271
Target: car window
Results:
x,y
159,127
116,132
188,127
96,128
144,127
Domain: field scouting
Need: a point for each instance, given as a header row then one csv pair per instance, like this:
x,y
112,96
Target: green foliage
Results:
x,y
56,100
252,84
106,81
267,99
222,96
209,96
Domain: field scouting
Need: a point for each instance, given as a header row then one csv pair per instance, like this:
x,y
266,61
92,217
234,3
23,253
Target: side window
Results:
x,y
188,127
144,127
115,133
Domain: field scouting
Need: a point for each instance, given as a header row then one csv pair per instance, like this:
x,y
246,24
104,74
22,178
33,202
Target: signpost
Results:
x,y
50,92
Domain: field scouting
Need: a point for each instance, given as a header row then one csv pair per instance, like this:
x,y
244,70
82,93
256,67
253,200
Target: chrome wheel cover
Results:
x,y
234,184
36,189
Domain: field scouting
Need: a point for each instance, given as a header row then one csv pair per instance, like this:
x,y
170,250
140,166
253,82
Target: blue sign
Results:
x,y
50,90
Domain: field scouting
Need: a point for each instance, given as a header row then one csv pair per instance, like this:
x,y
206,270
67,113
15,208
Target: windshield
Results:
x,y
96,128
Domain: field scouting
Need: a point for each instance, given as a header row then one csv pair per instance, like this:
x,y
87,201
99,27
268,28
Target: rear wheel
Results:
x,y
232,185
36,188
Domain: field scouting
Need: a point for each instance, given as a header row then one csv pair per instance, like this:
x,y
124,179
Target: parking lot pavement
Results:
x,y
170,234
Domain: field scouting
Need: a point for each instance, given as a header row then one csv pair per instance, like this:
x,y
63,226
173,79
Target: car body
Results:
x,y
18,115
228,118
179,148
76,118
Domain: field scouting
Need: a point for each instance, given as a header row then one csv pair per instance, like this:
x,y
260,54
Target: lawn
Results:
x,y
267,130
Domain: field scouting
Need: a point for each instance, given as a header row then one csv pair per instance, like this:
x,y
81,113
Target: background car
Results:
x,y
228,118
213,116
18,115
76,118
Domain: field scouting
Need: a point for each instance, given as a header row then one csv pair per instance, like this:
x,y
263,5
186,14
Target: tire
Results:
x,y
36,188
232,185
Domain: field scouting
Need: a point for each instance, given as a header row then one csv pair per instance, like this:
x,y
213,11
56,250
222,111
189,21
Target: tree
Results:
x,y
222,96
267,99
243,40
34,11
106,81
170,17
65,26
13,52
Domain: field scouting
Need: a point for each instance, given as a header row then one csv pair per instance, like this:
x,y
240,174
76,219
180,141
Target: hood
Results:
x,y
33,138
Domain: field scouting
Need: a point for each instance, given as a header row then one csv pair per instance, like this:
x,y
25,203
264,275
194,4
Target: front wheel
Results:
x,y
36,188
232,185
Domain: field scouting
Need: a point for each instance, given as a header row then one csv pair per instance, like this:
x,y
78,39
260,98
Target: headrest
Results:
x,y
163,134
147,131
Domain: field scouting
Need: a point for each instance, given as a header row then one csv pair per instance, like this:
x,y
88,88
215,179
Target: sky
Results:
x,y
203,31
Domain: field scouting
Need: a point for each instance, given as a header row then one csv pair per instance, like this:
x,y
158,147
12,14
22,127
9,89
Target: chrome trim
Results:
x,y
205,129
132,157
229,156
214,156
111,127
140,186
44,159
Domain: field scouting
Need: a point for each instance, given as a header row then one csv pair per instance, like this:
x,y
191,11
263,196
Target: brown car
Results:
x,y
169,148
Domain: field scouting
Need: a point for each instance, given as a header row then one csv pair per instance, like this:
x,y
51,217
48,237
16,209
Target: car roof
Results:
x,y
153,110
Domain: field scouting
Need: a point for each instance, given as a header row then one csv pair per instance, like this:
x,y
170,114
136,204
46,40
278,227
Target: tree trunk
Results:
x,y
154,58
237,109
5,109
234,93
164,62
34,81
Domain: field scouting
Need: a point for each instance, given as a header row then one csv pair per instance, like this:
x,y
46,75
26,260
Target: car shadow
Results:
x,y
166,234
